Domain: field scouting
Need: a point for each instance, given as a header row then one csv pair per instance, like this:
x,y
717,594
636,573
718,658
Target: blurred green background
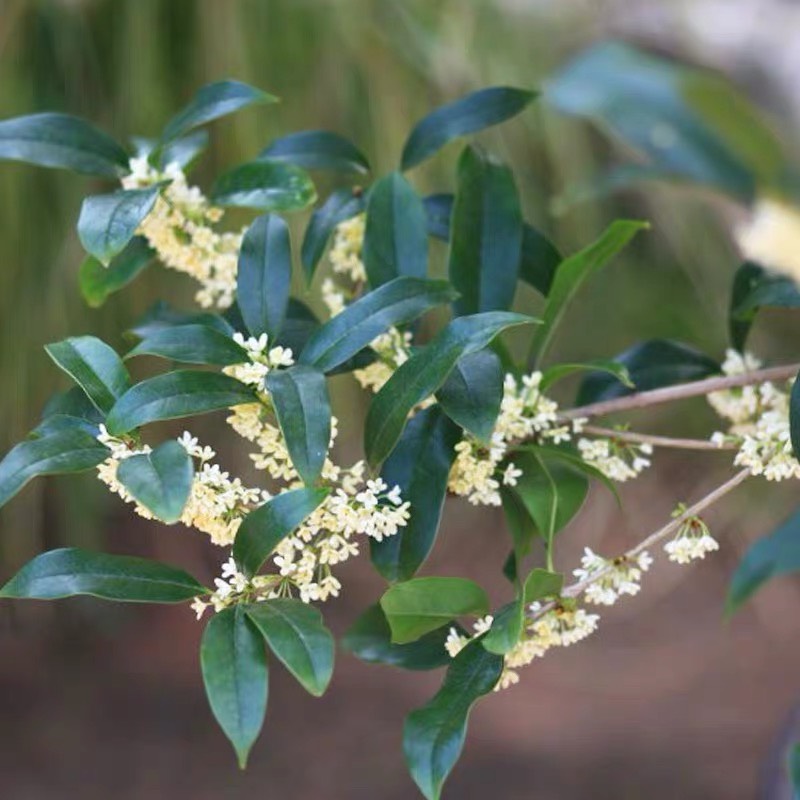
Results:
x,y
369,69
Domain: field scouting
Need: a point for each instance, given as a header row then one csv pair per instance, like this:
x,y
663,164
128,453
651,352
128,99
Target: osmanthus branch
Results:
x,y
656,441
577,588
670,393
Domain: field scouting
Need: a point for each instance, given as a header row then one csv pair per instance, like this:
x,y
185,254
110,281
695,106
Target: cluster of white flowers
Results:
x,y
456,642
611,578
618,460
693,539
759,417
392,349
262,360
235,587
180,229
772,236
217,503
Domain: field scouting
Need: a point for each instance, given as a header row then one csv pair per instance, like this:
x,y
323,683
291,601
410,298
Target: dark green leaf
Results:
x,y
62,141
341,205
174,395
616,370
539,260
191,344
573,271
299,325
183,151
486,235
55,423
160,316
650,365
98,282
506,628
370,638
265,275
211,102
438,211
161,480
521,527
794,770
424,373
395,238
317,150
296,635
108,222
234,668
469,114
70,571
420,466
416,607
473,391
300,399
263,528
433,736
540,584
94,366
265,185
74,403
395,303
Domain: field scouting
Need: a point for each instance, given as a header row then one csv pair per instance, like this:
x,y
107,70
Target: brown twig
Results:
x,y
656,441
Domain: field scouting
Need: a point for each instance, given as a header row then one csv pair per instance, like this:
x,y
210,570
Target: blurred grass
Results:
x,y
366,68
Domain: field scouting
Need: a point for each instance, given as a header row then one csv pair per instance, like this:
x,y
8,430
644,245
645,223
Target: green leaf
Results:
x,y
73,402
770,557
161,315
161,480
296,635
416,607
211,102
395,238
265,275
433,736
541,583
298,327
191,344
521,528
263,528
265,185
469,114
486,235
370,639
395,303
317,150
438,213
539,260
420,466
599,367
98,282
183,151
506,628
71,571
62,451
794,769
794,417
108,222
174,395
573,271
341,205
650,365
424,373
300,398
94,366
64,142
755,288
234,667
473,391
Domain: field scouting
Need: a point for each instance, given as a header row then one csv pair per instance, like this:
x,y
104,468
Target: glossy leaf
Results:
x,y
161,315
108,222
420,466
370,639
265,527
418,606
541,583
300,398
71,571
94,366
297,636
341,205
265,185
469,114
211,102
573,272
183,151
473,391
438,213
607,368
433,736
486,235
506,628
191,344
97,282
161,480
395,239
73,402
650,365
521,528
264,275
174,395
64,142
539,260
395,303
234,667
317,150
424,373
298,327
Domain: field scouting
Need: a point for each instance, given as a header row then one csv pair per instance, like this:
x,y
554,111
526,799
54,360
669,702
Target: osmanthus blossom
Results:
x,y
772,236
692,541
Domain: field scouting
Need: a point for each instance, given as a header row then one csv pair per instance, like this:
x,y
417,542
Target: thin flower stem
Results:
x,y
577,588
656,441
683,390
